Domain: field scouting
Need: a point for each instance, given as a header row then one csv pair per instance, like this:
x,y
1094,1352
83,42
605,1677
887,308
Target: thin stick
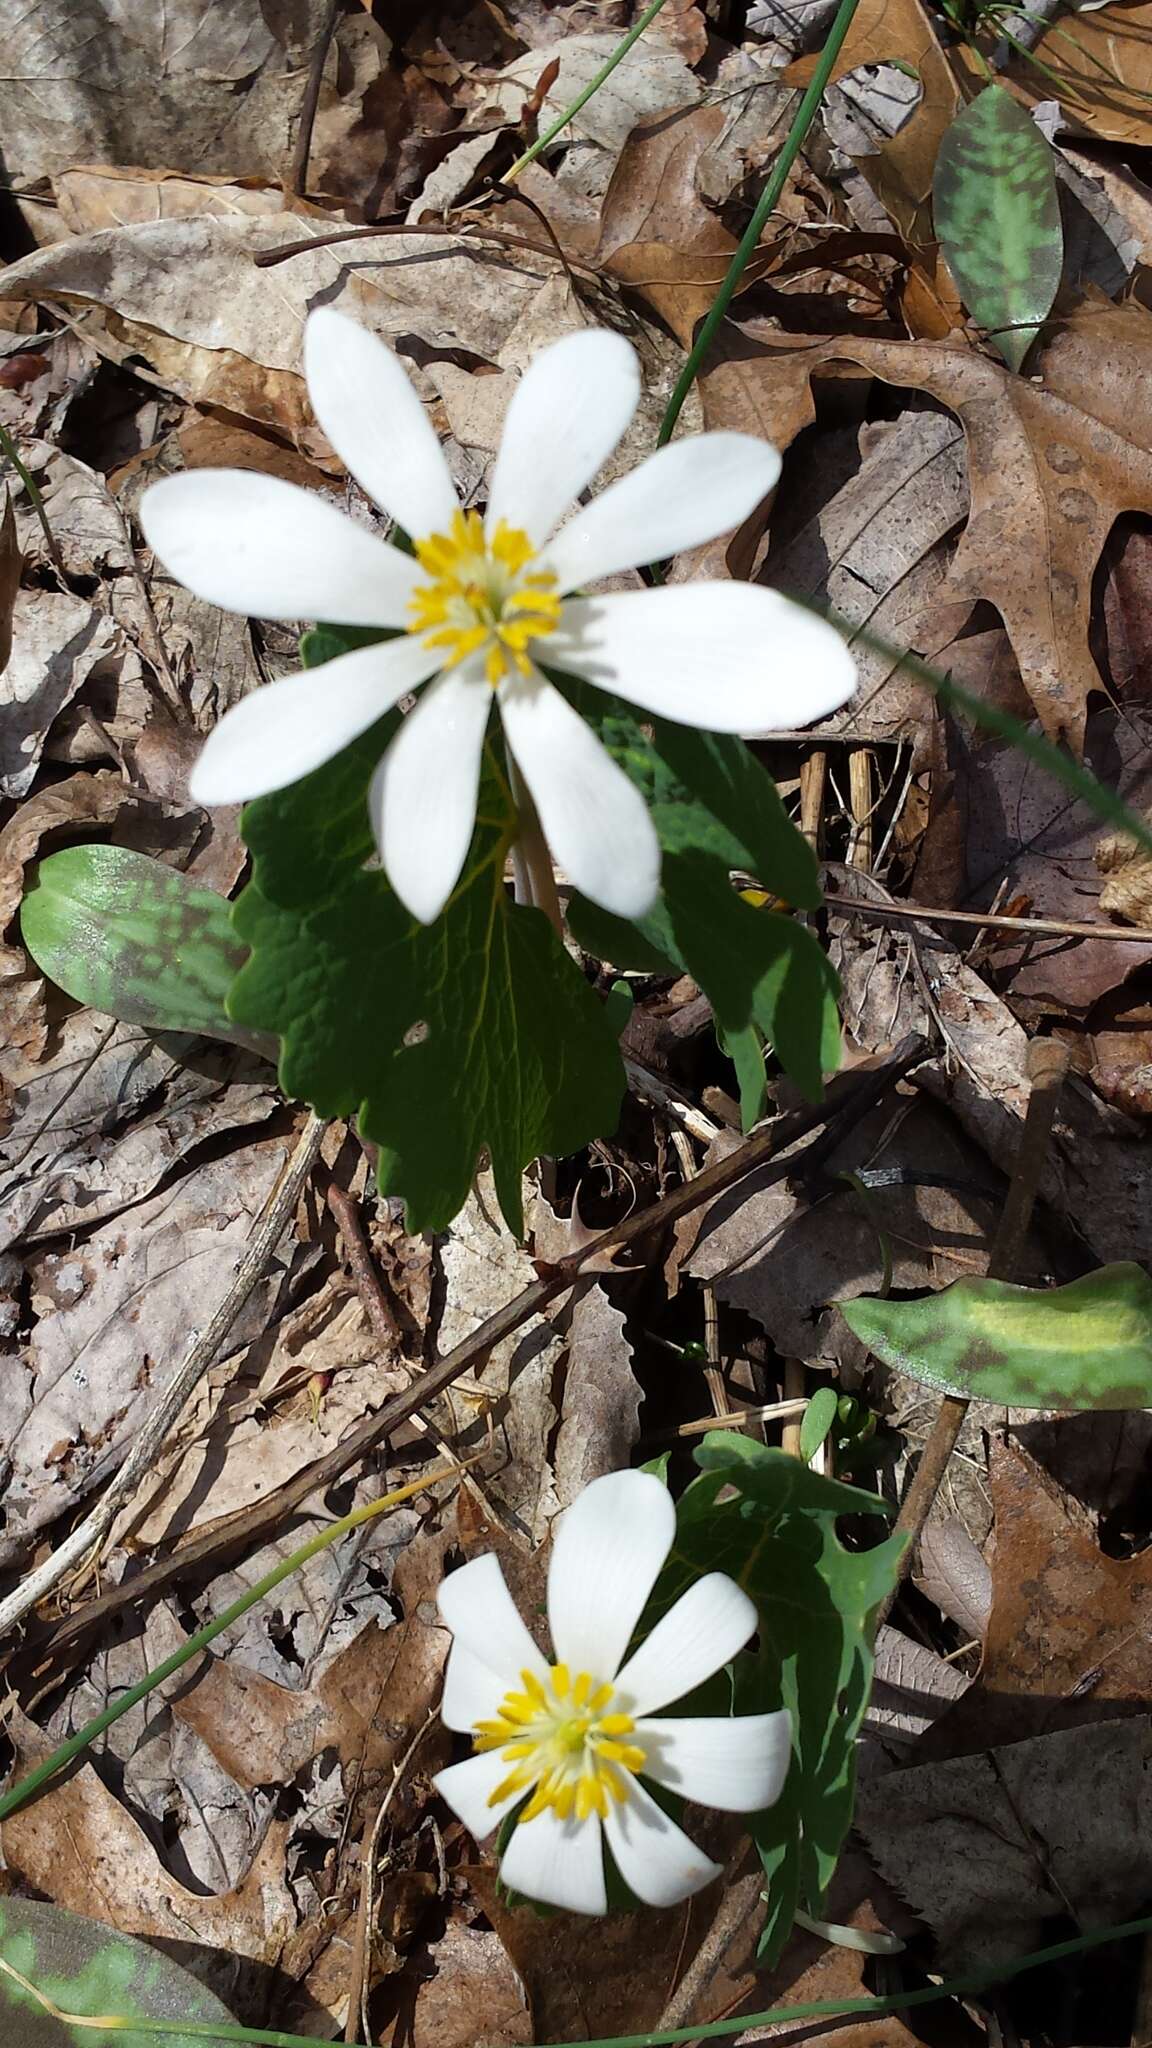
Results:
x,y
651,1088
360,1974
582,98
142,1457
1031,927
298,177
468,231
1046,1068
847,1102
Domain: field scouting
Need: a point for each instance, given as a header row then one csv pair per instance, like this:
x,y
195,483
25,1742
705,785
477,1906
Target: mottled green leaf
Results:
x,y
997,217
477,1032
136,939
776,1534
1087,1345
86,1968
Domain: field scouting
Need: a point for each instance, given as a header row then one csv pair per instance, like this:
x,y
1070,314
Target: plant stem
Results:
x,y
582,98
769,199
533,848
76,1744
8,448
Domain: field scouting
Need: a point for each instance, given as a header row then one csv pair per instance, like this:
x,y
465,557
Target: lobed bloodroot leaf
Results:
x,y
997,217
135,938
771,1523
1086,1345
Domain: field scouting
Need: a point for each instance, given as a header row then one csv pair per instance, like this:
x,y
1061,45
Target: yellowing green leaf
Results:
x,y
1086,1345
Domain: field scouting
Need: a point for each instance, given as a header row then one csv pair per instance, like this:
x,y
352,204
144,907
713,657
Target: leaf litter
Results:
x,y
245,1814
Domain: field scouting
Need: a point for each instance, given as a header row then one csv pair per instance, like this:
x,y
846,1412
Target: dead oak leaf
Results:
x,y
1068,1637
1051,468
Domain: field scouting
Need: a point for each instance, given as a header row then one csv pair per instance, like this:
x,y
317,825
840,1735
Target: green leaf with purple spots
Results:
x,y
1087,1345
997,217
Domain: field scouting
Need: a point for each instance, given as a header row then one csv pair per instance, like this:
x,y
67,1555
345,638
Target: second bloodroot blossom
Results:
x,y
485,605
568,1745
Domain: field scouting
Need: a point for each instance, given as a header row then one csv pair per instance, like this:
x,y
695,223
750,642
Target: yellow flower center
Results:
x,y
562,1738
483,593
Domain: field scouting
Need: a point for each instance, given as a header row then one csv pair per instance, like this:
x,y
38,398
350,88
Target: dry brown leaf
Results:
x,y
883,31
1066,1641
473,1975
785,1260
600,1411
100,196
1051,468
1102,62
649,80
116,1317
186,294
80,1847
201,86
57,639
995,1848
1026,833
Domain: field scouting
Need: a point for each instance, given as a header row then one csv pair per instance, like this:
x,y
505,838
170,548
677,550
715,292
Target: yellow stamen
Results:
x,y
478,596
565,1749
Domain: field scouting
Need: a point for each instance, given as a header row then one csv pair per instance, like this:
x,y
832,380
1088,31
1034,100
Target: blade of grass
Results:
x,y
768,201
18,1794
582,98
670,2037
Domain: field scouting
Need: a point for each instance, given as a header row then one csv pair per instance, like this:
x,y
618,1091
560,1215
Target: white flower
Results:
x,y
484,601
577,1737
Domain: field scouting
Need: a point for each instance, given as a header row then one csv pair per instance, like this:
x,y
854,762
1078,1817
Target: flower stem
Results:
x,y
769,199
25,1787
582,98
531,856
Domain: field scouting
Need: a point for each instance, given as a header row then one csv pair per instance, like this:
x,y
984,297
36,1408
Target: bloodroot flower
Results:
x,y
571,1743
485,602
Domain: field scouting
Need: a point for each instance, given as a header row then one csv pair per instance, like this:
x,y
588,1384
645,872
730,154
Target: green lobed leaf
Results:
x,y
776,1536
1086,1345
768,979
88,1969
997,216
478,1031
135,938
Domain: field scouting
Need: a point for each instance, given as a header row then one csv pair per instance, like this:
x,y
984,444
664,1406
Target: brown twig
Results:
x,y
846,1102
1030,927
1046,1068
298,176
468,231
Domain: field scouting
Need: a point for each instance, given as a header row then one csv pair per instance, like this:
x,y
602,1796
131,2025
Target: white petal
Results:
x,y
366,403
595,820
472,1690
684,494
729,657
256,545
738,1765
655,1857
708,1624
560,1862
567,413
476,1605
286,729
423,795
468,1788
608,1550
